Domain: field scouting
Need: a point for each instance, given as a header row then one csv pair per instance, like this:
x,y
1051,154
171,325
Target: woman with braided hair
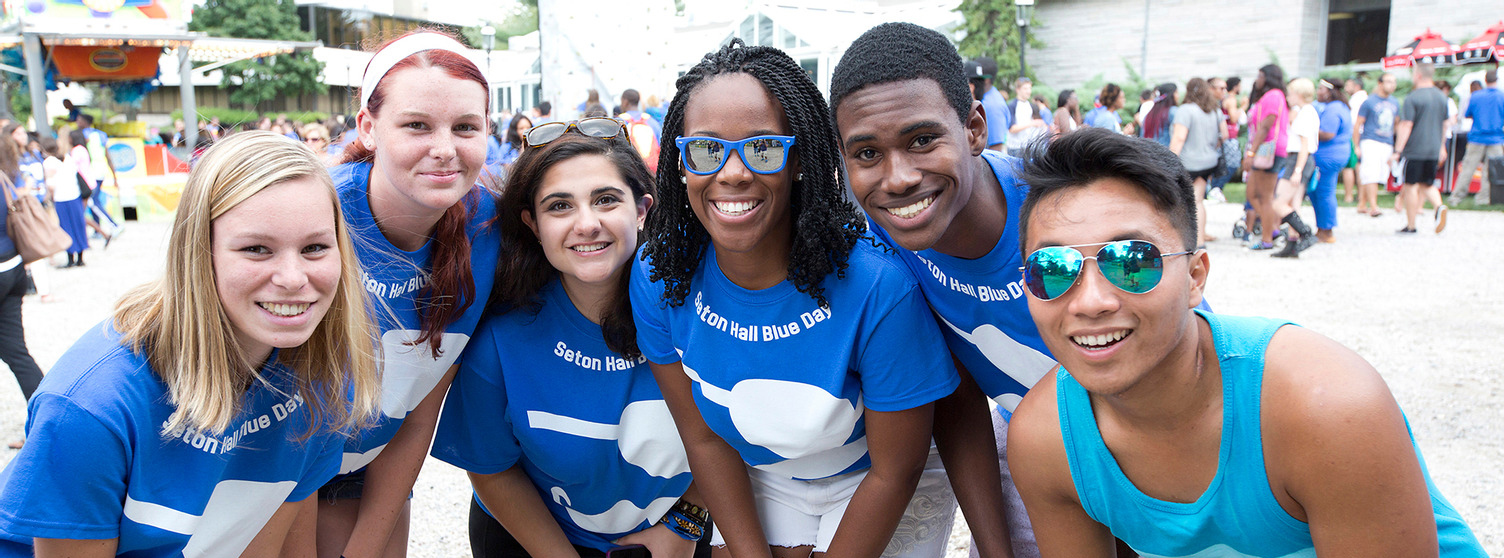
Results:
x,y
795,352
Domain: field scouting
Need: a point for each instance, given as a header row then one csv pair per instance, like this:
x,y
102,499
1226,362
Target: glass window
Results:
x,y
764,31
745,30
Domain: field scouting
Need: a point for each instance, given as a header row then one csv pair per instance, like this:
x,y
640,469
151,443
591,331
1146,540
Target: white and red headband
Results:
x,y
396,52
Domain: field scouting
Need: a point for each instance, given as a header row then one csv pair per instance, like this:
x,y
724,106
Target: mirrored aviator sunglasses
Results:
x,y
597,127
1135,266
760,154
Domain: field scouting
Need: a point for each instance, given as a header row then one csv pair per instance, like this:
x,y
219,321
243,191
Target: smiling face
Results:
x,y
745,213
1110,339
911,163
276,265
429,140
587,221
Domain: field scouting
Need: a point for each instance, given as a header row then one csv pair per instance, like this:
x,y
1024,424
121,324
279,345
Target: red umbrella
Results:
x,y
1428,47
1487,47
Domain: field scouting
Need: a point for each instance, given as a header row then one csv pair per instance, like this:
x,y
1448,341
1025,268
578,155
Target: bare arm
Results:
x,y
963,434
269,542
513,500
75,548
1401,137
1036,457
662,542
390,477
719,471
1178,133
1358,136
898,443
1063,121
1339,455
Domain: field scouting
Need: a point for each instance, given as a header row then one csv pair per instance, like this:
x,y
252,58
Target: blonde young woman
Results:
x,y
1305,127
204,415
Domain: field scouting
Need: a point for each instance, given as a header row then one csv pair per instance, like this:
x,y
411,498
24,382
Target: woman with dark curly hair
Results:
x,y
796,353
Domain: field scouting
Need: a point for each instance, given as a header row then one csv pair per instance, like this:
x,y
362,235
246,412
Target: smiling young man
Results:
x,y
1186,433
915,145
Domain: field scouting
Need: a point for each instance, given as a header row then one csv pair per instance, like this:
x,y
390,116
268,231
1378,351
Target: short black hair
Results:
x,y
545,107
900,52
630,97
87,118
1089,154
826,225
1232,82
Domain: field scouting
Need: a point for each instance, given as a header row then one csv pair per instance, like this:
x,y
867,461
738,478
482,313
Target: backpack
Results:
x,y
643,139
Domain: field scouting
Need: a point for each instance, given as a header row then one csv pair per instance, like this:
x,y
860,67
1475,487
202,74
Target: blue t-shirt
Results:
x,y
1486,108
97,466
589,427
785,381
1238,515
981,303
1102,117
392,278
999,118
1379,115
1335,119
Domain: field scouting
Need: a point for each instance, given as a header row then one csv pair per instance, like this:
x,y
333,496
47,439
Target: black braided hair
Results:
x,y
900,52
826,226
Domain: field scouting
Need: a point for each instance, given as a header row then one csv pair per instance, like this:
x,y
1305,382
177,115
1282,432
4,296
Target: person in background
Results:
x,y
1156,123
544,112
642,130
1356,95
1331,155
13,349
1145,104
68,196
1298,167
96,207
1231,154
1068,115
1485,137
516,131
1028,122
981,71
202,416
1197,135
1418,146
1373,130
1268,122
410,190
1105,114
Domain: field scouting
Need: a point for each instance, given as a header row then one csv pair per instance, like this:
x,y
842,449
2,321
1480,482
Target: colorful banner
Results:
x,y
98,9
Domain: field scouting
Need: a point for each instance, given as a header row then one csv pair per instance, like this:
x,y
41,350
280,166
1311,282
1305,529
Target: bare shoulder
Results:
x,y
1036,450
1311,381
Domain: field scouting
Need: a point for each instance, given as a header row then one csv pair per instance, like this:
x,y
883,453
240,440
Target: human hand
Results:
x,y
661,542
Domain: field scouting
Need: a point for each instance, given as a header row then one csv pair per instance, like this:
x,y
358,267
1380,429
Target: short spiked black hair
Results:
x,y
900,52
826,225
1090,154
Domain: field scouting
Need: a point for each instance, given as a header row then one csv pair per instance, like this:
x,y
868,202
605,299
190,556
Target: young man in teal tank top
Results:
x,y
1185,433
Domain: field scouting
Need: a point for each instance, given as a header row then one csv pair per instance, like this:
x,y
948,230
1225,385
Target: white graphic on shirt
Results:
x,y
1019,361
622,517
645,435
352,461
409,371
235,513
805,425
1223,551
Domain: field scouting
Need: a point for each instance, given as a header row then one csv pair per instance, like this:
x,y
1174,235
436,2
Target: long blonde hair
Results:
x,y
180,325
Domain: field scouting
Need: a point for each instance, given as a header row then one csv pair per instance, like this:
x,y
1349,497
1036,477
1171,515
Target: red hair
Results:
x,y
451,286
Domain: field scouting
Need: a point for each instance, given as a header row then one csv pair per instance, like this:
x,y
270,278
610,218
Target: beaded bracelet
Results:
x,y
687,520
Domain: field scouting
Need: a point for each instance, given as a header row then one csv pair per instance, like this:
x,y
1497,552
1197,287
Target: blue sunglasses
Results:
x,y
761,154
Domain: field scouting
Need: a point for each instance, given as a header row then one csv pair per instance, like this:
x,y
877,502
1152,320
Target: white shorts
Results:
x,y
924,529
1373,168
799,512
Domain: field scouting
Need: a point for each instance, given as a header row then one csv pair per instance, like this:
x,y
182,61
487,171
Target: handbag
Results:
x,y
84,190
1263,158
33,228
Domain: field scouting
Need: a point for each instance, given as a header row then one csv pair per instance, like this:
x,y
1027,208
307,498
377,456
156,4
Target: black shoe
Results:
x,y
1406,230
1305,242
1291,250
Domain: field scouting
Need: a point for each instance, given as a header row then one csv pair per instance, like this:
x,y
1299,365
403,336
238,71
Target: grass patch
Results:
x,y
1236,192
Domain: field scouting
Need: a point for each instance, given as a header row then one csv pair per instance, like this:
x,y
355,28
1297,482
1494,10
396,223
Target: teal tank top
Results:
x,y
1238,515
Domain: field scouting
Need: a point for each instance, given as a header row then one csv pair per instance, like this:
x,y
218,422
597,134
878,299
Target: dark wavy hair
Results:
x,y
523,269
1274,78
826,225
513,137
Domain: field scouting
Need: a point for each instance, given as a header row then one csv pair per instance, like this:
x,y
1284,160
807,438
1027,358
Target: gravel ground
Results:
x,y
1424,309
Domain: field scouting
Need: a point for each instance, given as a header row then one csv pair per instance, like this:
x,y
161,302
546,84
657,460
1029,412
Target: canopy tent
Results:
x,y
1488,47
1427,47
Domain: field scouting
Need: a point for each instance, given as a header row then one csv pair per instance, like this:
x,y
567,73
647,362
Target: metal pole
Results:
x,y
190,103
1143,65
1023,43
37,80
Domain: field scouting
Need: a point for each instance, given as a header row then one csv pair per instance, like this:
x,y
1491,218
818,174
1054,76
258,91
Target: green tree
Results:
x,y
992,31
522,19
262,79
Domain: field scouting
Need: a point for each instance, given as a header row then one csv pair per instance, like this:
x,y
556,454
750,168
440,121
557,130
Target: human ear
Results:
x,y
976,128
532,225
1200,266
365,127
644,203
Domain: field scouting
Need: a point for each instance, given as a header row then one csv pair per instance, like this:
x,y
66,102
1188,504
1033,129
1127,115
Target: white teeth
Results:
x,y
284,310
1100,340
912,209
736,208
589,247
